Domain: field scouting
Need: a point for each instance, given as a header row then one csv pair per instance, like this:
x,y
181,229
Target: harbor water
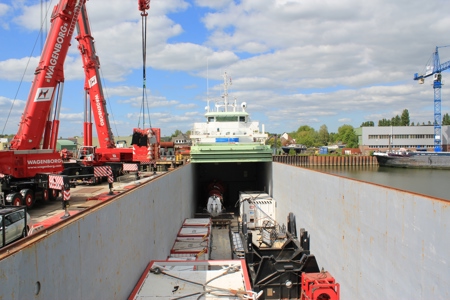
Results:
x,y
433,183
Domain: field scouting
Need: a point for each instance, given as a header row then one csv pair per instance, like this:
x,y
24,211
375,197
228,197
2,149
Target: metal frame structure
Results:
x,y
435,70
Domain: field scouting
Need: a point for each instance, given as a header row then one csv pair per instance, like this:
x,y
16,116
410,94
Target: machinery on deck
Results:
x,y
279,262
214,205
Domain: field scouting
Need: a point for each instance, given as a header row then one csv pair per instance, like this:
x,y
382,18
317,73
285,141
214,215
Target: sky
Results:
x,y
294,62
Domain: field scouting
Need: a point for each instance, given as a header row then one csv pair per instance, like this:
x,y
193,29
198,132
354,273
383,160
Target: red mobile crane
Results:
x,y
118,159
29,170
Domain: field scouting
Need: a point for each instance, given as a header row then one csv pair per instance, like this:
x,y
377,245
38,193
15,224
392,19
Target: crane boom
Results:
x,y
93,84
437,67
106,152
48,76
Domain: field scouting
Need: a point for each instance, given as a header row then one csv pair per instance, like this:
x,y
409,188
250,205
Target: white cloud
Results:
x,y
345,120
4,10
294,62
216,4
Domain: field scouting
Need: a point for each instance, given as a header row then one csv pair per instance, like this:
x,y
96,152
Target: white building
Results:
x,y
409,137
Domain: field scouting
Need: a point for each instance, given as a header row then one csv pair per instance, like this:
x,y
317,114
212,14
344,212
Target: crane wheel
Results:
x,y
45,195
15,199
53,194
28,197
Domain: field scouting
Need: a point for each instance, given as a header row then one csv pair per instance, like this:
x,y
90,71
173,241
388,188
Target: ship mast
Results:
x,y
225,91
207,85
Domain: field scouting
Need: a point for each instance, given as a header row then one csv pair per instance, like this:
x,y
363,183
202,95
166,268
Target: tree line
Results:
x,y
310,137
404,120
346,135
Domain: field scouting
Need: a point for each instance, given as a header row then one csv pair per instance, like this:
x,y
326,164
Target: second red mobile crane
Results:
x,y
107,157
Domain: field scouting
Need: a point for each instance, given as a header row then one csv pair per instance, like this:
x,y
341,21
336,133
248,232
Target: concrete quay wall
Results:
x,y
101,254
378,242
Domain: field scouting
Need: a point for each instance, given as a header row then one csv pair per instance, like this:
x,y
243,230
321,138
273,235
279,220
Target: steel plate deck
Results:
x,y
214,279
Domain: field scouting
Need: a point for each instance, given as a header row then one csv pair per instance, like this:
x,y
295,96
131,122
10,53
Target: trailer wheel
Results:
x,y
28,197
45,195
15,199
54,194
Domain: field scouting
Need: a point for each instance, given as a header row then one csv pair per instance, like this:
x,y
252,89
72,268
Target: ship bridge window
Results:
x,y
227,119
241,119
210,119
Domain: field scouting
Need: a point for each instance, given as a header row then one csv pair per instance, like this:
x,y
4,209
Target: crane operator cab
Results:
x,y
86,153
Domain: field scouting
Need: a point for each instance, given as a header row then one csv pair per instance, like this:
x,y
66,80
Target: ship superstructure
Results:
x,y
228,135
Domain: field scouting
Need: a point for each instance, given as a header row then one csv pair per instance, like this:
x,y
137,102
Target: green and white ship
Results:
x,y
228,135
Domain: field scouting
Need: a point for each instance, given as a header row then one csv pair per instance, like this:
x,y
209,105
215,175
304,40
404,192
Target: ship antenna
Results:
x,y
225,91
207,84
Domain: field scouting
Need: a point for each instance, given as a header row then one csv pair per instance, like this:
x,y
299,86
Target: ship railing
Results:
x,y
326,160
212,126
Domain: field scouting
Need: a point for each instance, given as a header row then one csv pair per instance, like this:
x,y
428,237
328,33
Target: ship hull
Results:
x,y
373,239
230,152
417,160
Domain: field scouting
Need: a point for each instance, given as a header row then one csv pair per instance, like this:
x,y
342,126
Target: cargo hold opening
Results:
x,y
235,177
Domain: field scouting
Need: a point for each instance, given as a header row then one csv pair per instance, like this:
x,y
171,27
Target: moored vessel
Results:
x,y
413,159
298,148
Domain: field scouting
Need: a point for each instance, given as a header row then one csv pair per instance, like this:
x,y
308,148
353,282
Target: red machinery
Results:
x,y
145,141
108,160
216,188
182,152
319,286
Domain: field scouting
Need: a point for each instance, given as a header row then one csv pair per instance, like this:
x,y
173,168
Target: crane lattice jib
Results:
x,y
444,66
48,75
437,66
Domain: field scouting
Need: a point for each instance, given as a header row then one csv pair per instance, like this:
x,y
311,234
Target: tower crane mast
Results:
x,y
434,69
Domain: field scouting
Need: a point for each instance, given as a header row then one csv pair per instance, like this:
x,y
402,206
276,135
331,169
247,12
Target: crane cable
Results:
x,y
144,76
